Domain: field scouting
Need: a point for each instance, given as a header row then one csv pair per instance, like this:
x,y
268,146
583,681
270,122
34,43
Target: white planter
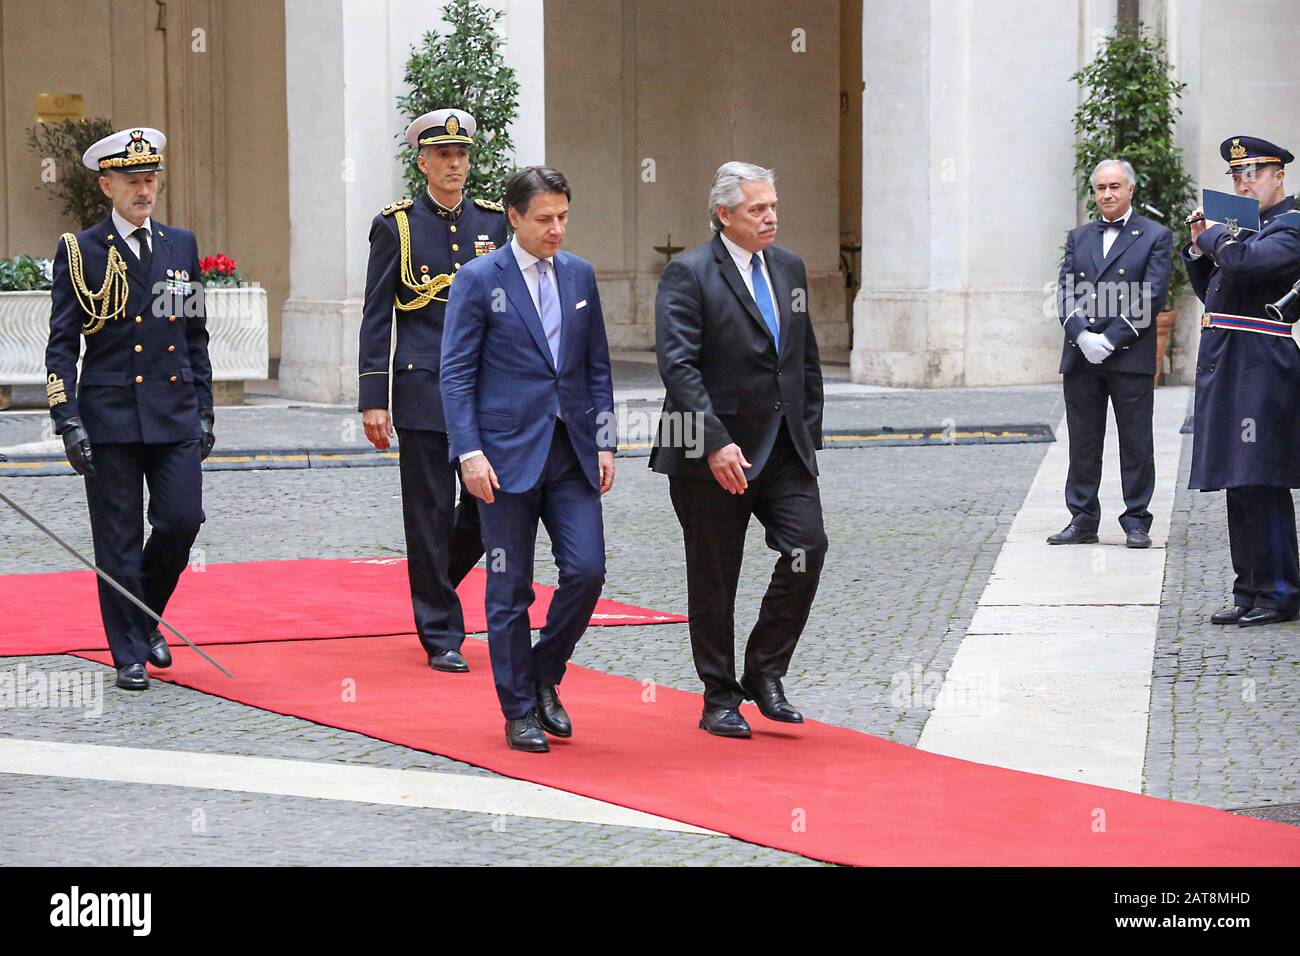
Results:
x,y
24,331
237,335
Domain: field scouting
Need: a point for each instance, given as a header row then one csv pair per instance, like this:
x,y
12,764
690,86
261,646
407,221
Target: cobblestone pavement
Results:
x,y
1225,707
913,532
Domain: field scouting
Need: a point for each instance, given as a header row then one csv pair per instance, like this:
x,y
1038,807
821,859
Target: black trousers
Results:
x,y
115,498
785,498
442,537
1262,538
1132,394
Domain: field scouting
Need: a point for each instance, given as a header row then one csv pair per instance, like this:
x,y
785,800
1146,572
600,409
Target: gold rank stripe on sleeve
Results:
x,y
489,204
109,302
426,290
55,393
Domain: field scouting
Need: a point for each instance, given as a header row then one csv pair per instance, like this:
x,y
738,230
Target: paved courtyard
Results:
x,y
914,533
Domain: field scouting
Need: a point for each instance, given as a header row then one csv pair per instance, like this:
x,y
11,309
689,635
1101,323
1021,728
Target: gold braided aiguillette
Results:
x,y
110,301
427,289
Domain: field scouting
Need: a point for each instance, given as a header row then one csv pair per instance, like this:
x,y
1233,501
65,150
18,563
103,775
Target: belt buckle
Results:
x,y
1205,321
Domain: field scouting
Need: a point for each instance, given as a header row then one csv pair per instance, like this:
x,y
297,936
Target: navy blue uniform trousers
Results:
x,y
442,537
115,498
1262,539
569,507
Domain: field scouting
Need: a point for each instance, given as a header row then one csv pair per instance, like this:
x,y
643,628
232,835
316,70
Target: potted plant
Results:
x,y
237,327
24,323
61,146
1129,109
465,70
235,315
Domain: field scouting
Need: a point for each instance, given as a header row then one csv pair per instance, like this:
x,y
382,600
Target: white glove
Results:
x,y
1095,346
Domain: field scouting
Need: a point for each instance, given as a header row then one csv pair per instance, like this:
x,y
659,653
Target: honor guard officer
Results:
x,y
141,409
416,247
1247,420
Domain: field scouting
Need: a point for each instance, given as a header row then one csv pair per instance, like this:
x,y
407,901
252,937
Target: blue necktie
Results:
x,y
764,298
549,299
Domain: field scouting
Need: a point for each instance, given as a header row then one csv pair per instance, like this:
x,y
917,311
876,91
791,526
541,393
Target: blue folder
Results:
x,y
1238,213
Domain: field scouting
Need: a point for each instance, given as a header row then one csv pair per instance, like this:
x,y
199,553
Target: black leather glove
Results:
x,y
76,445
207,418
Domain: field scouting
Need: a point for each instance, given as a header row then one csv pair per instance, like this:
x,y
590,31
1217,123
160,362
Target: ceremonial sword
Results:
x,y
123,591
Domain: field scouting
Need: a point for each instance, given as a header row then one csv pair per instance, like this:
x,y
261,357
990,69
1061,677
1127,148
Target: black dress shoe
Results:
x,y
525,733
724,722
160,654
1229,615
550,712
1073,534
133,677
770,697
1257,616
1137,538
450,661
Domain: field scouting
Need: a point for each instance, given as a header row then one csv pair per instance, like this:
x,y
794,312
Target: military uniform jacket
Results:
x,y
146,372
1247,419
1118,295
440,242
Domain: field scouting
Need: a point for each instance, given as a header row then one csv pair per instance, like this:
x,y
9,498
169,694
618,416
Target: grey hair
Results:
x,y
726,190
1123,164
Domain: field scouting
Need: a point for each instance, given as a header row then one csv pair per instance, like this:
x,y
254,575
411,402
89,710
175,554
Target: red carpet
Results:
x,y
256,601
826,792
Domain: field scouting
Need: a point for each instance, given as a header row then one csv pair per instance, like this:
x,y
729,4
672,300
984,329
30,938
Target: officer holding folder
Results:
x,y
1247,425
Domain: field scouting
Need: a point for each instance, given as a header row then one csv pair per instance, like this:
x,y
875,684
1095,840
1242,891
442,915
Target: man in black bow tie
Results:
x,y
1113,282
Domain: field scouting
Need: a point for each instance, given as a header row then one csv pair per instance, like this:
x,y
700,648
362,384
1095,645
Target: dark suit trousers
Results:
x,y
785,498
442,538
570,509
115,497
1262,539
1132,394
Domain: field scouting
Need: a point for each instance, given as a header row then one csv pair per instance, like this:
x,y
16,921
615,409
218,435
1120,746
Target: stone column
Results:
x,y
968,188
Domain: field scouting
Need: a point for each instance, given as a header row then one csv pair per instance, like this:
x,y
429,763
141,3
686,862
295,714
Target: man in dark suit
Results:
x,y
1246,429
741,422
417,246
529,402
141,410
1113,282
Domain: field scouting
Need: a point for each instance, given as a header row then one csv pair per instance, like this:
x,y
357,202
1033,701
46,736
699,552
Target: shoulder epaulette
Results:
x,y
393,207
489,204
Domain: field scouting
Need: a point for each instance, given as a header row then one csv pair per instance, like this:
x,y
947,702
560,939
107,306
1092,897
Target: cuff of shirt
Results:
x,y
476,453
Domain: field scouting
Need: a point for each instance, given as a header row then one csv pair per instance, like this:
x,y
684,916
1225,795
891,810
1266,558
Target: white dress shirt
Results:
x,y
1108,236
528,266
744,262
124,229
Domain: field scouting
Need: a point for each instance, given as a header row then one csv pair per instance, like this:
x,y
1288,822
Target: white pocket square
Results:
x,y
581,305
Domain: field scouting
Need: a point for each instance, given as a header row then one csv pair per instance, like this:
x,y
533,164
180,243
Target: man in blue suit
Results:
x,y
140,412
529,404
1113,282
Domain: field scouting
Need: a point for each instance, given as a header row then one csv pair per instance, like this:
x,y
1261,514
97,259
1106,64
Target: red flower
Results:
x,y
220,264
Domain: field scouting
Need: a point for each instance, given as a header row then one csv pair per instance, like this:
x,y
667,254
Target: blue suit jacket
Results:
x,y
145,374
1118,295
501,391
